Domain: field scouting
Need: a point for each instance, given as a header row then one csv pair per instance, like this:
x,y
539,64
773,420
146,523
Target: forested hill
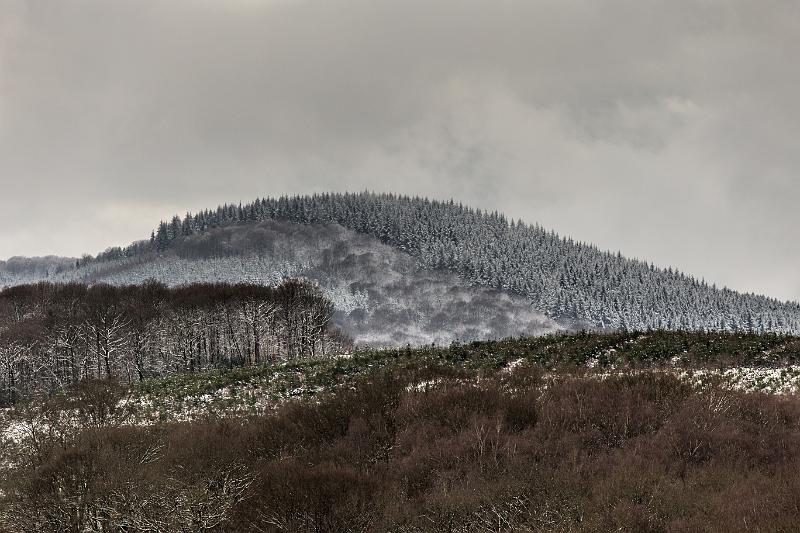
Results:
x,y
382,296
567,280
561,277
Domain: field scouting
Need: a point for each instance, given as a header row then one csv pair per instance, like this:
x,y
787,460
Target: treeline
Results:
x,y
52,335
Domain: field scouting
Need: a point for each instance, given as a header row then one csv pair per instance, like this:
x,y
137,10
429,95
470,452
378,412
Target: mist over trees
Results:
x,y
52,335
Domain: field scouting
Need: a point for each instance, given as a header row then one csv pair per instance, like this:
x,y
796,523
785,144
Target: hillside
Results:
x,y
589,432
19,270
430,248
565,279
382,296
749,363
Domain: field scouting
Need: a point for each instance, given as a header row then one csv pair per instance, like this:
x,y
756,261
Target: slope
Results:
x,y
382,296
571,282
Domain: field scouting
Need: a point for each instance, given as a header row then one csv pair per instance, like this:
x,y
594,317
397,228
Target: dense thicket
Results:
x,y
55,334
420,449
563,278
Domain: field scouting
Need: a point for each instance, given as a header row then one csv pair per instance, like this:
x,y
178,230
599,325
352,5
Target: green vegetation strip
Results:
x,y
691,351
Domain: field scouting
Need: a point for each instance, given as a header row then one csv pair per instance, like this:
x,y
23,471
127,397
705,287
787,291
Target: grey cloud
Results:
x,y
667,130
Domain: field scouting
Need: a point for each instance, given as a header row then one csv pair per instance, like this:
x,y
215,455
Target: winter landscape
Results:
x,y
294,266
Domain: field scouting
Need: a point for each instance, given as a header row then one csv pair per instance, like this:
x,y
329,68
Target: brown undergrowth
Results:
x,y
497,451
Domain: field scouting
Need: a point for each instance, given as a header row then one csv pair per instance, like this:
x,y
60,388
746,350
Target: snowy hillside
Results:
x,y
567,280
382,296
407,270
19,270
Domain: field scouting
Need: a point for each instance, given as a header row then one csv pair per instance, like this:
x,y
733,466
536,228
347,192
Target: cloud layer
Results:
x,y
666,130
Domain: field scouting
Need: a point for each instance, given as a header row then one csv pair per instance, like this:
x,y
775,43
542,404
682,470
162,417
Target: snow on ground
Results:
x,y
262,393
423,386
782,380
510,367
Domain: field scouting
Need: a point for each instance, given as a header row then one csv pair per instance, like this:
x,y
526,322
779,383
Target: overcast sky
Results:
x,y
667,130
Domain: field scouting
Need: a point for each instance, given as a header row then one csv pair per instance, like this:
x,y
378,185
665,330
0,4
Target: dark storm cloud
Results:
x,y
667,130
